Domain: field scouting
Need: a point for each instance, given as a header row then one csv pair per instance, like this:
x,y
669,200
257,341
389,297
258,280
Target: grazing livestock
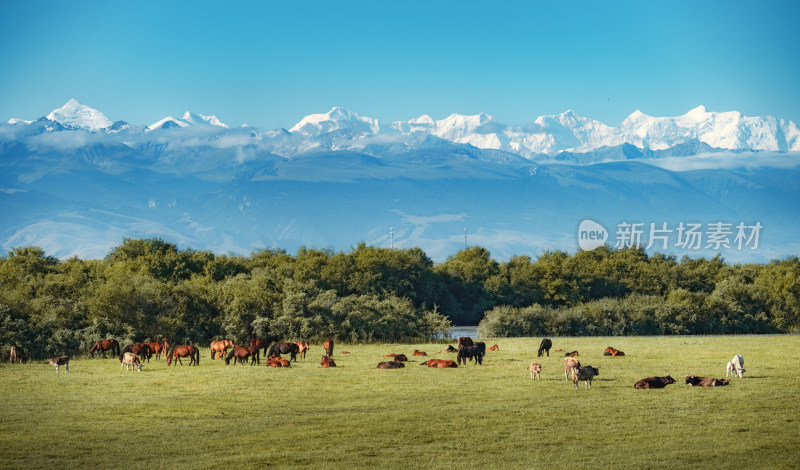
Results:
x,y
17,354
544,347
178,352
327,362
535,368
105,345
585,373
263,343
464,341
277,361
142,350
328,347
440,363
302,347
476,352
613,352
59,361
390,365
130,359
285,348
220,347
571,354
419,353
240,354
654,382
735,367
494,348
569,364
157,347
704,381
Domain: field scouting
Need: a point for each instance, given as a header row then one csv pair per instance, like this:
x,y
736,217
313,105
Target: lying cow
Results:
x,y
535,368
735,367
440,363
704,381
17,355
612,352
59,361
390,365
585,373
569,364
130,359
654,382
327,362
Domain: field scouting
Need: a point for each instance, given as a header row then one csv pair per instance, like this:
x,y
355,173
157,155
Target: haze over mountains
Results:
x,y
76,183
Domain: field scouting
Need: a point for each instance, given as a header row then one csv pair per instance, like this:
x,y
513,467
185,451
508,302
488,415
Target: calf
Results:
x,y
585,373
130,359
569,364
390,365
704,381
735,367
327,362
59,361
535,368
654,382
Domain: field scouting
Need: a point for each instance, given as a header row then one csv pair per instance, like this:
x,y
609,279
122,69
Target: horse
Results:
x,y
17,354
476,351
328,347
544,347
263,343
241,353
105,345
220,346
284,348
142,350
277,362
464,341
178,352
302,348
157,347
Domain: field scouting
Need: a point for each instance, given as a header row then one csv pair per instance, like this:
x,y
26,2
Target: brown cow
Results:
x,y
494,348
130,359
569,364
419,353
535,368
327,362
440,363
585,373
613,352
59,361
390,365
328,347
654,382
704,381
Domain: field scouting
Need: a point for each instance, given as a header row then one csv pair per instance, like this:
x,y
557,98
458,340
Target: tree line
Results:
x,y
146,289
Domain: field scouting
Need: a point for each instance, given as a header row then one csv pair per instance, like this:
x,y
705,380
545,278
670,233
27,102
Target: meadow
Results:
x,y
356,416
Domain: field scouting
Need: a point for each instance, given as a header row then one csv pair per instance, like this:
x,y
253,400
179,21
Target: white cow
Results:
x,y
735,367
132,360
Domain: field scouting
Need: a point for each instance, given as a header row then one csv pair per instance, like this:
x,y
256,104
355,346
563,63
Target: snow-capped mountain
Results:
x,y
77,115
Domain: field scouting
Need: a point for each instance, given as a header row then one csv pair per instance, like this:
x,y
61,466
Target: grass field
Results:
x,y
356,416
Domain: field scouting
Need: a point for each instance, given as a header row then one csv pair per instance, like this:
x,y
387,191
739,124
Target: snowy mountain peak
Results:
x,y
697,114
167,123
340,120
193,118
77,115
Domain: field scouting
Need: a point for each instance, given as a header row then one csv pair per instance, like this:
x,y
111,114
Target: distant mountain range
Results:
x,y
76,183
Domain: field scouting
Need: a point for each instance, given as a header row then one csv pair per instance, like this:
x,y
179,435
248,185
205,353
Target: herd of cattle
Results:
x,y
133,355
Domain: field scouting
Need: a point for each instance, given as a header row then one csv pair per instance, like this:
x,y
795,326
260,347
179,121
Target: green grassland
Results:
x,y
356,416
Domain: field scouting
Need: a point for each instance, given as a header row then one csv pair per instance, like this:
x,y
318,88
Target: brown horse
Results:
x,y
327,362
142,350
240,354
303,347
178,352
263,343
157,347
277,361
328,347
105,345
220,347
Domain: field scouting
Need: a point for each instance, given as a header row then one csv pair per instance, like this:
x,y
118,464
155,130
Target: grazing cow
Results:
x,y
440,363
17,354
476,352
328,347
585,373
302,347
464,341
59,361
419,353
704,381
571,354
735,367
390,365
544,347
132,360
654,382
569,364
494,348
327,362
277,361
535,368
612,352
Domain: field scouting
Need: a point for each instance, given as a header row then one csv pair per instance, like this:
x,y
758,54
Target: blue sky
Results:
x,y
269,64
